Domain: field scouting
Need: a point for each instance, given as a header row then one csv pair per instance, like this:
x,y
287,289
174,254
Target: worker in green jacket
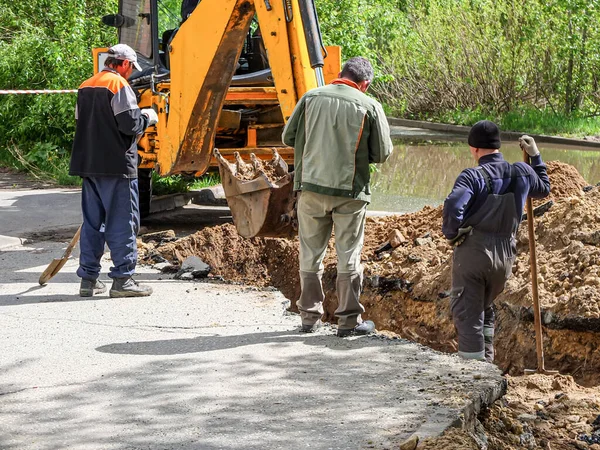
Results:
x,y
336,131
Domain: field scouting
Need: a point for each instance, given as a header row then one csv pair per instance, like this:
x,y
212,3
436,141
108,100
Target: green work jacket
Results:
x,y
336,132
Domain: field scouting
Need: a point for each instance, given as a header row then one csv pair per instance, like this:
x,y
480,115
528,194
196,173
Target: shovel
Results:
x,y
57,264
537,315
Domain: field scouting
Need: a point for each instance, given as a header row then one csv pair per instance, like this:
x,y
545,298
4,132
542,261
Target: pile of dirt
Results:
x,y
259,262
406,289
538,411
566,180
567,242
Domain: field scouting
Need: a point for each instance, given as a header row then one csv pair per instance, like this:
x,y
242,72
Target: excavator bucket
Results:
x,y
260,195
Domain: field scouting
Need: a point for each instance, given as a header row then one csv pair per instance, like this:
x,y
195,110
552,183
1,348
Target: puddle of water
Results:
x,y
423,174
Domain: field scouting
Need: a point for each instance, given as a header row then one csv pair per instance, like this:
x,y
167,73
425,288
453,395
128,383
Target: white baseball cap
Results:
x,y
124,51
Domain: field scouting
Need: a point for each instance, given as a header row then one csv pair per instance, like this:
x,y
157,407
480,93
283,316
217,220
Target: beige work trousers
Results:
x,y
318,214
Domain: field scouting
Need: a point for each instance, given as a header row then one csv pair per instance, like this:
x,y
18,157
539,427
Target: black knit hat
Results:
x,y
484,134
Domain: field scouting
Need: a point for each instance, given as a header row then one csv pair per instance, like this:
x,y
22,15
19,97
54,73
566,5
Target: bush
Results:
x,y
362,28
46,44
495,56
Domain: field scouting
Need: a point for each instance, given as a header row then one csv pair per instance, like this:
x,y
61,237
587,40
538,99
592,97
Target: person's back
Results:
x,y
338,122
336,132
107,124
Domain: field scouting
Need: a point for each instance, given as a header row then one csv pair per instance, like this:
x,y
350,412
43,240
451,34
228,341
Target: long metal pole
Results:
x,y
537,316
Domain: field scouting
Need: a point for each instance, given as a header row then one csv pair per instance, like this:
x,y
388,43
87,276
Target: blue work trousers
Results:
x,y
111,215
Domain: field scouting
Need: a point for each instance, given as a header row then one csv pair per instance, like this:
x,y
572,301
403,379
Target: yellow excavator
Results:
x,y
224,76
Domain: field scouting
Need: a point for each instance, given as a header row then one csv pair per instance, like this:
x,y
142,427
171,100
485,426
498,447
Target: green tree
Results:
x,y
46,44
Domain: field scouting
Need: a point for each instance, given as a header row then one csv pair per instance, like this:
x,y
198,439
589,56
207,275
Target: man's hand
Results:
x,y
151,115
460,237
528,144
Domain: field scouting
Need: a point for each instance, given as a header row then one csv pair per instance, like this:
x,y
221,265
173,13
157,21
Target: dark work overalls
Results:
x,y
481,266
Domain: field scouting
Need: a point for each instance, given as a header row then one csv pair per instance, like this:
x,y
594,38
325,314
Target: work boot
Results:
x,y
88,288
128,287
306,328
366,327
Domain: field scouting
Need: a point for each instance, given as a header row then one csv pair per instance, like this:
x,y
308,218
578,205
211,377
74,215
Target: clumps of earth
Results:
x,y
406,294
537,412
273,170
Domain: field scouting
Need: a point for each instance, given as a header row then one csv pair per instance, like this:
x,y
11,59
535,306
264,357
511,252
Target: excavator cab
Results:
x,y
225,75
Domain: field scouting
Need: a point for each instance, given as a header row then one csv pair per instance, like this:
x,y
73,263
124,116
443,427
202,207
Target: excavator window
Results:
x,y
253,57
136,29
168,24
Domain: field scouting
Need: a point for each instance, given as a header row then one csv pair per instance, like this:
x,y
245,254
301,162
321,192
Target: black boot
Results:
x,y
88,288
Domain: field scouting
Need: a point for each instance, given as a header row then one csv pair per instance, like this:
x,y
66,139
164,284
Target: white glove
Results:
x,y
528,144
151,115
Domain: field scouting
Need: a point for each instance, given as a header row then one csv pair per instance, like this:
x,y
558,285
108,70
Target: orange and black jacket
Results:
x,y
108,121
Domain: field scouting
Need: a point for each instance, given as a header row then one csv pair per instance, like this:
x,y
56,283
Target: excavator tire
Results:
x,y
145,191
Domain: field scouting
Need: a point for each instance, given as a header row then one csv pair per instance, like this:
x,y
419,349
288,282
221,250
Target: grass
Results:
x,y
169,185
527,120
206,180
40,164
175,184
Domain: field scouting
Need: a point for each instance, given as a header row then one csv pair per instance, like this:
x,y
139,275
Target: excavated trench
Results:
x,y
406,289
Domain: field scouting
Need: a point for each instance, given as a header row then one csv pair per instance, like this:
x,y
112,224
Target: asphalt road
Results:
x,y
197,365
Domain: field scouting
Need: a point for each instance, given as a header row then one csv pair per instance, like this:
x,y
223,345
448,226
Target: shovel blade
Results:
x,y
52,269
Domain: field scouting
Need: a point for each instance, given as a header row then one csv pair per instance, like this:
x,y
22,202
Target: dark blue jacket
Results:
x,y
108,122
470,192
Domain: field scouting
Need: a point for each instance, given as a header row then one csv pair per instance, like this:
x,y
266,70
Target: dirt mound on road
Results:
x,y
257,261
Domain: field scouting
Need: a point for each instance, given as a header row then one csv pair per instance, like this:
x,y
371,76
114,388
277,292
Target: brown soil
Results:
x,y
256,261
566,180
247,171
538,411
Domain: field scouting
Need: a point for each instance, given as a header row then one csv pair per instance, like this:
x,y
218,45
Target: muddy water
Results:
x,y
419,175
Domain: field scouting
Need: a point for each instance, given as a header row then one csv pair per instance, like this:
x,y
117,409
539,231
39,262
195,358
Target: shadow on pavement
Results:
x,y
258,402
219,342
20,270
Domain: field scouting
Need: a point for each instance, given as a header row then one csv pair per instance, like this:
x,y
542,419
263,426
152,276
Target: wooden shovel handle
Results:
x,y
537,316
73,242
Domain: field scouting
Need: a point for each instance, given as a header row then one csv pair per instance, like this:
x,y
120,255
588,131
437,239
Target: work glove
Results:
x,y
460,237
528,144
151,115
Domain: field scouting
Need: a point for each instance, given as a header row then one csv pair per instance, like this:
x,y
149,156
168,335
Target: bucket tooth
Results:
x,y
281,168
242,167
224,164
256,163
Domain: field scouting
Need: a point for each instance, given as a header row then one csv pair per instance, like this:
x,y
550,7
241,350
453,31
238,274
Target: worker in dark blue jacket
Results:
x,y
480,219
109,123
